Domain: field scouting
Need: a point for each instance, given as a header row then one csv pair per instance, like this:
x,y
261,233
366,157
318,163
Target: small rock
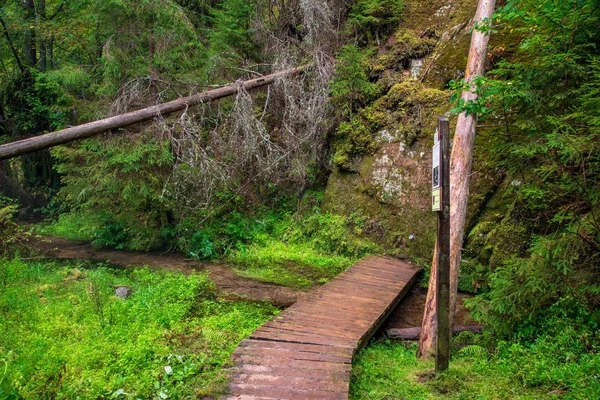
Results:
x,y
123,292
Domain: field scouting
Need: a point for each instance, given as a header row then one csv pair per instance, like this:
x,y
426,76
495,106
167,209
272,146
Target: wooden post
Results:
x,y
442,353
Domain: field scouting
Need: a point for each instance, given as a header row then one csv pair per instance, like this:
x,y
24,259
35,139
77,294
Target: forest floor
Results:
x,y
231,285
408,314
65,333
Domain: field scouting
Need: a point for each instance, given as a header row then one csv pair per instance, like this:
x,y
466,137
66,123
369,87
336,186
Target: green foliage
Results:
x,y
303,251
34,102
356,137
553,367
113,190
64,334
219,236
546,248
350,86
296,250
11,234
231,34
372,19
471,107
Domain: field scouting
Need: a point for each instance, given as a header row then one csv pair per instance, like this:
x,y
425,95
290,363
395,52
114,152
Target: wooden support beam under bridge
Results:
x,y
63,136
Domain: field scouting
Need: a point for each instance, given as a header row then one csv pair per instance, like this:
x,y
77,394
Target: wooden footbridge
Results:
x,y
306,351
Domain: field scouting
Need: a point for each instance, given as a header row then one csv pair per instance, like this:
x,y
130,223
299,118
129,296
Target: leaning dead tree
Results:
x,y
63,136
461,161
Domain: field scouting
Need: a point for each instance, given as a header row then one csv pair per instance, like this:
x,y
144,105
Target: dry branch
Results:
x,y
119,121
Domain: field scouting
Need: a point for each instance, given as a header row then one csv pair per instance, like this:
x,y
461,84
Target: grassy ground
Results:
x,y
63,333
301,252
288,264
389,370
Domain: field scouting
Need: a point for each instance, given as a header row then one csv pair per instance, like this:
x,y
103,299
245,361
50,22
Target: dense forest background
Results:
x,y
294,182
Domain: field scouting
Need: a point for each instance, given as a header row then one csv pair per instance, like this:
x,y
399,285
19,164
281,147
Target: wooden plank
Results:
x,y
268,334
311,365
381,276
293,381
286,393
385,313
377,277
344,286
266,344
291,371
383,269
298,336
347,312
353,299
362,282
291,354
305,328
337,324
306,351
248,397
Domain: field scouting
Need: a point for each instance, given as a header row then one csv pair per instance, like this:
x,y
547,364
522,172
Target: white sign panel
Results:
x,y
435,176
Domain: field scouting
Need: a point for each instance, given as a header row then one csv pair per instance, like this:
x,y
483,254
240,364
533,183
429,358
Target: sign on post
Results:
x,y
440,179
435,173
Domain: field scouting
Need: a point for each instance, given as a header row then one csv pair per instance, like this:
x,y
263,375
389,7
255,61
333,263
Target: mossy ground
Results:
x,y
390,370
63,333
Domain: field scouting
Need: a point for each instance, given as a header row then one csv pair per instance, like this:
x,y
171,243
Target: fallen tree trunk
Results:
x,y
48,140
415,333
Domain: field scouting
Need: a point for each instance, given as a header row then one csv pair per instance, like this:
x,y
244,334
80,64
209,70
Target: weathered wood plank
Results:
x,y
306,351
286,393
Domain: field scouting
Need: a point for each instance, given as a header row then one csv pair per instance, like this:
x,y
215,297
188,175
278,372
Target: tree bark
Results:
x,y
11,45
460,169
41,13
119,121
29,48
153,73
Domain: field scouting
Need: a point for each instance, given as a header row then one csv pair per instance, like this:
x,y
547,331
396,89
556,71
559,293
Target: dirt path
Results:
x,y
408,314
231,285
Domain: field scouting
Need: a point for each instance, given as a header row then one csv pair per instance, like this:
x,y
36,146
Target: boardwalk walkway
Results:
x,y
306,351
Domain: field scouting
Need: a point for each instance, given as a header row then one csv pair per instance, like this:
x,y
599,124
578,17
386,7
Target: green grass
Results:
x,y
290,264
70,226
390,370
302,252
63,333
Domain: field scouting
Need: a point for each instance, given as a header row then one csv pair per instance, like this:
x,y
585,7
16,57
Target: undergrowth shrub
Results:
x,y
11,236
293,248
63,333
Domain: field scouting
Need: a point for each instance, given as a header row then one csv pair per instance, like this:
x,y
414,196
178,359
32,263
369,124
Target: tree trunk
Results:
x,y
41,14
153,73
29,48
50,52
119,121
460,171
11,45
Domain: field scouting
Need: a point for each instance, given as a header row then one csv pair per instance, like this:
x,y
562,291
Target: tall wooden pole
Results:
x,y
119,121
442,354
461,160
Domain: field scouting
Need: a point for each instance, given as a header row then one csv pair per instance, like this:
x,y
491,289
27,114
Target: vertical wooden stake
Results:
x,y
442,354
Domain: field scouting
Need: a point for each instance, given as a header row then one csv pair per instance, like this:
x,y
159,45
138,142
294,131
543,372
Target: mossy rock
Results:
x,y
406,232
